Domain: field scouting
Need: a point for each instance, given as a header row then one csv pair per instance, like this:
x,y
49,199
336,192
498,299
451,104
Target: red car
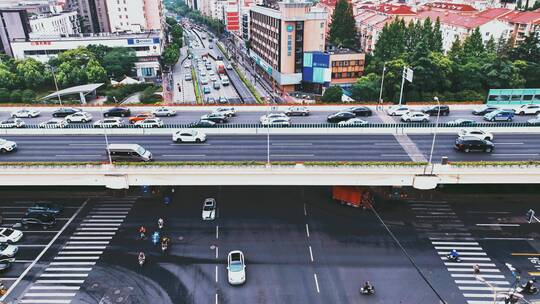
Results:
x,y
140,117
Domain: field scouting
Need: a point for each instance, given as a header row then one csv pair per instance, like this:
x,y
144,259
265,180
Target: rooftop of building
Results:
x,y
390,9
49,15
456,19
522,17
91,36
372,18
494,12
458,7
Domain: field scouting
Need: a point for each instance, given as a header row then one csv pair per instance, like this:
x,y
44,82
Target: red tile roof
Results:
x,y
451,6
523,17
392,9
466,21
494,12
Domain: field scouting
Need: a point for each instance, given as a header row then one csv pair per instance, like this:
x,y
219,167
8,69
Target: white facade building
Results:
x,y
55,24
126,15
148,48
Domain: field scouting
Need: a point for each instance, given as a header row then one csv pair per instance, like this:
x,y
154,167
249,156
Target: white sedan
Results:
x,y
110,122
25,113
189,136
226,111
7,250
209,209
79,117
53,123
397,110
12,123
164,111
415,117
7,145
149,123
270,116
8,235
480,134
278,121
236,268
353,122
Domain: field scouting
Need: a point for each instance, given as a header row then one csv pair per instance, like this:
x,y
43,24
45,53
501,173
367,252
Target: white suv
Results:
x,y
7,146
397,110
226,111
529,109
109,122
189,136
79,117
415,117
480,134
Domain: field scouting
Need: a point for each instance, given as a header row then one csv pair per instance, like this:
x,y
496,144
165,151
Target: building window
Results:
x,y
147,72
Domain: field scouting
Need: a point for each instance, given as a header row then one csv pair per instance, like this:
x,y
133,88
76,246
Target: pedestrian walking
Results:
x,y
476,269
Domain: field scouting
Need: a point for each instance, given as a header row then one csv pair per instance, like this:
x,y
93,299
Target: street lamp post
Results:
x,y
434,135
382,82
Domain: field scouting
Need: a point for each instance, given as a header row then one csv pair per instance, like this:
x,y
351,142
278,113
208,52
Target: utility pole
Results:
x,y
382,83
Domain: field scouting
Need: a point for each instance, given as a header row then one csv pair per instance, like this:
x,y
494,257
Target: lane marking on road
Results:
x,y
509,143
488,276
488,212
508,239
217,232
316,283
97,229
100,224
183,155
462,253
23,261
83,247
484,302
64,275
78,155
470,259
514,154
525,254
216,298
107,216
91,238
291,144
40,301
469,269
25,272
217,252
292,155
310,253
482,283
31,245
483,288
307,230
305,210
68,269
457,248
72,263
77,258
499,225
60,281
216,271
87,243
103,221
80,252
186,144
95,233
49,287
482,295
470,264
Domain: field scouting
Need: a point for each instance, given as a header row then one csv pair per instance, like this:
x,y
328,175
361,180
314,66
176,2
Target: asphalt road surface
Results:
x,y
282,148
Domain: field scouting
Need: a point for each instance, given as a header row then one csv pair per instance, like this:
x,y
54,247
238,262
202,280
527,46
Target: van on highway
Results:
x,y
128,152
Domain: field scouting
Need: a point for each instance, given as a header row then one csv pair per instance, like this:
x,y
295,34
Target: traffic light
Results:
x,y
530,216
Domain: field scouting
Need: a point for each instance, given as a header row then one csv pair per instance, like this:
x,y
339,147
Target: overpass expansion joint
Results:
x,y
355,174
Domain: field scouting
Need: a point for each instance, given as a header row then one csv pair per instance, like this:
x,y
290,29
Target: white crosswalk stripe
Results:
x,y
447,232
64,276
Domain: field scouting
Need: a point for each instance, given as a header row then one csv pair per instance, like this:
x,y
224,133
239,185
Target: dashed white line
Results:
x,y
307,230
217,232
72,263
488,276
83,247
77,258
482,270
316,283
310,253
80,252
217,252
458,248
64,275
499,225
68,269
216,273
52,287
455,243
87,243
305,210
59,281
52,294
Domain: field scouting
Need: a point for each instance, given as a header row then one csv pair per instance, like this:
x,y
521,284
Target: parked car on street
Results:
x,y
483,110
12,123
461,123
277,121
189,135
340,116
163,111
472,144
227,111
202,124
25,113
7,250
45,207
360,111
5,263
264,118
37,219
7,146
140,117
215,117
353,122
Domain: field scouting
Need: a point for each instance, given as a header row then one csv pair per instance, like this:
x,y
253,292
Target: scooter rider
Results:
x,y
165,242
454,255
367,288
160,223
529,287
142,258
142,231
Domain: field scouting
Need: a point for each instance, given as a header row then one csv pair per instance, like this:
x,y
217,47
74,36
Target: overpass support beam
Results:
x,y
116,181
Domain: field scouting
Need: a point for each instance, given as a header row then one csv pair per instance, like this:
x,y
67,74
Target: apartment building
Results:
x,y
61,24
280,37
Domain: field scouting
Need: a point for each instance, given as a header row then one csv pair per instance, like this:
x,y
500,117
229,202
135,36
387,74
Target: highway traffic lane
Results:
x,y
268,226
507,147
463,114
249,147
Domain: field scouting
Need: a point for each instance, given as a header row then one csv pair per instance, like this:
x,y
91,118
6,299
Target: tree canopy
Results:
x,y
343,27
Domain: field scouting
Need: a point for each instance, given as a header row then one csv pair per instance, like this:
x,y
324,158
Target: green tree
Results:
x,y
170,21
473,46
171,54
149,95
16,96
28,96
491,46
95,72
502,73
529,71
390,45
7,78
119,62
366,88
437,42
343,27
4,95
177,33
32,73
332,94
528,49
99,51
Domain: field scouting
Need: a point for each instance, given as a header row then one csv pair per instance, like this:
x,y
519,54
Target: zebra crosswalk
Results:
x,y
67,271
446,232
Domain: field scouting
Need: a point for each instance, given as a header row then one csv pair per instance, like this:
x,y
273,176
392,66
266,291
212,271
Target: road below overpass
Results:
x,y
300,148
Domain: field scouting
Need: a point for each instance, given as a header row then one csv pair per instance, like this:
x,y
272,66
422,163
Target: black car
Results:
x,y
219,57
360,111
38,219
340,116
433,110
202,124
470,143
63,112
484,110
117,112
